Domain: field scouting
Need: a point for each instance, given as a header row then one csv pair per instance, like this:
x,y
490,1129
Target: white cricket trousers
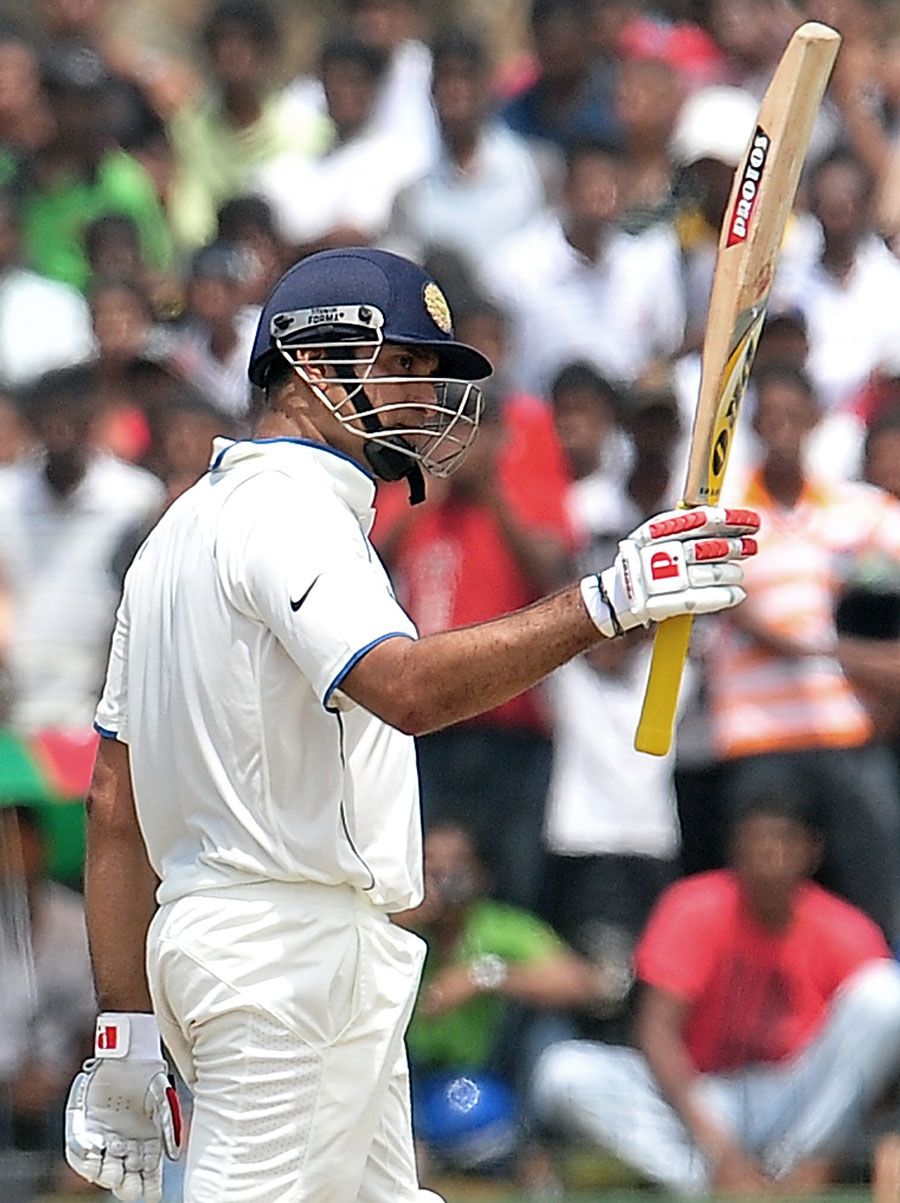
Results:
x,y
284,1007
783,1113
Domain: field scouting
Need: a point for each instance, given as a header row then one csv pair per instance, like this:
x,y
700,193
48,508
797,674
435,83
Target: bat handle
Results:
x,y
670,649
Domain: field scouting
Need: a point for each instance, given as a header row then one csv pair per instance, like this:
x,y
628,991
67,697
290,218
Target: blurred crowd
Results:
x,y
567,191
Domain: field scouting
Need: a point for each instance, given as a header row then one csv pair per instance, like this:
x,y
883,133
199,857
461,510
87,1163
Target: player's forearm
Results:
x,y
423,685
120,887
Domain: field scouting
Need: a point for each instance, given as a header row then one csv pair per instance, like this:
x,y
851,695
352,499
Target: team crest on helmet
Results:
x,y
438,309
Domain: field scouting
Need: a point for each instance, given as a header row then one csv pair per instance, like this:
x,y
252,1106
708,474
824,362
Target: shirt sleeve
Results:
x,y
850,940
677,952
513,934
317,584
111,716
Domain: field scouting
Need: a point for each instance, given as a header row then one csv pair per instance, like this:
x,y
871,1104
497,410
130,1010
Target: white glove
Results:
x,y
123,1111
680,562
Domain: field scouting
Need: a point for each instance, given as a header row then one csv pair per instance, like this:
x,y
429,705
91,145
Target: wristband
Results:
x,y
488,972
592,590
131,1034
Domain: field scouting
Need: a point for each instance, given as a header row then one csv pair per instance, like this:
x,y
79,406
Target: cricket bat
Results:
x,y
765,184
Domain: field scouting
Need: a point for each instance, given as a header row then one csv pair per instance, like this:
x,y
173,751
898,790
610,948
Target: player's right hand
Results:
x,y
680,562
123,1114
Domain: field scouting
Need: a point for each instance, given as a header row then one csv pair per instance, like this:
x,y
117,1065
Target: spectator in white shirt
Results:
x,y
403,105
217,336
848,286
344,197
611,823
62,515
485,183
578,287
43,324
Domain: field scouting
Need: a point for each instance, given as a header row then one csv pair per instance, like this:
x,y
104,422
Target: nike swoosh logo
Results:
x,y
295,605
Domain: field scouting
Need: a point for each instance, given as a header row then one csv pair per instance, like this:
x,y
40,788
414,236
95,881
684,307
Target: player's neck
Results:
x,y
278,424
298,424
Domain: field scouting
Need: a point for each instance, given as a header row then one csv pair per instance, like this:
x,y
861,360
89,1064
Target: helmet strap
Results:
x,y
388,463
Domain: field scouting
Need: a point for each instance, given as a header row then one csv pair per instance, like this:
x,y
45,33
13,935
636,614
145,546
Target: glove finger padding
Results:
x,y
701,576
141,1186
706,521
694,601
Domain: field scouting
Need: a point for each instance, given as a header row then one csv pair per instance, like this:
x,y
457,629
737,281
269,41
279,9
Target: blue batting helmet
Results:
x,y
411,304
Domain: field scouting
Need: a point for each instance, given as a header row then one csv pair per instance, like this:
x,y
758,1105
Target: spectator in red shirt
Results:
x,y
769,1021
492,538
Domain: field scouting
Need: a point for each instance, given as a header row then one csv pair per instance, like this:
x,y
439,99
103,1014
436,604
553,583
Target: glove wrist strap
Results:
x,y
600,608
131,1034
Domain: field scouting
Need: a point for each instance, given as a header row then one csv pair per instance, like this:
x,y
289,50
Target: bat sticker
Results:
x,y
734,385
749,189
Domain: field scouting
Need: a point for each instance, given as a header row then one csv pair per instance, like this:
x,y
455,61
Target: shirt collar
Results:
x,y
352,483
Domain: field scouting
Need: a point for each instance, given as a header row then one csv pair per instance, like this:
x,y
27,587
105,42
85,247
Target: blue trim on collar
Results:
x,y
105,733
355,659
303,443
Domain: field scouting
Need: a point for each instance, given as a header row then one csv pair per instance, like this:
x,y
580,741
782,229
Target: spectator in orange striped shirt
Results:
x,y
785,706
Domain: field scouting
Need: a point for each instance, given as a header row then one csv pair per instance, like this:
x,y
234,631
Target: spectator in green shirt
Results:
x,y
490,968
239,123
79,177
483,956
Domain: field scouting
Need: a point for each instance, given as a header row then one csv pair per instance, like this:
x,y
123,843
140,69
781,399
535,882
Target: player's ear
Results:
x,y
312,361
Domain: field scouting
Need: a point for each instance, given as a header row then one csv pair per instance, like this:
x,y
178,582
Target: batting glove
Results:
x,y
123,1111
680,562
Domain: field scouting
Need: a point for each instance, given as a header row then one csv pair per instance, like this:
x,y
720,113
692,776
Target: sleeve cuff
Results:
x,y
355,659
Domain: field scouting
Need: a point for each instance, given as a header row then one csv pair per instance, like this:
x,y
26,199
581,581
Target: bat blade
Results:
x,y
765,185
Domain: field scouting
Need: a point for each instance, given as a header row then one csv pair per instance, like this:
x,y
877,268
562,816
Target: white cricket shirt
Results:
x,y
243,612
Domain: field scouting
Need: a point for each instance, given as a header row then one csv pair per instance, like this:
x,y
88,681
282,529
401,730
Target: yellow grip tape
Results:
x,y
670,649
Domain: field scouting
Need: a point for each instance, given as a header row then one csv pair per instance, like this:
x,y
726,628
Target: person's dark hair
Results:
x,y
243,211
352,50
458,45
254,18
785,374
77,386
591,148
137,124
778,803
888,423
116,224
454,272
476,305
277,374
68,68
787,319
842,156
543,11
583,376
